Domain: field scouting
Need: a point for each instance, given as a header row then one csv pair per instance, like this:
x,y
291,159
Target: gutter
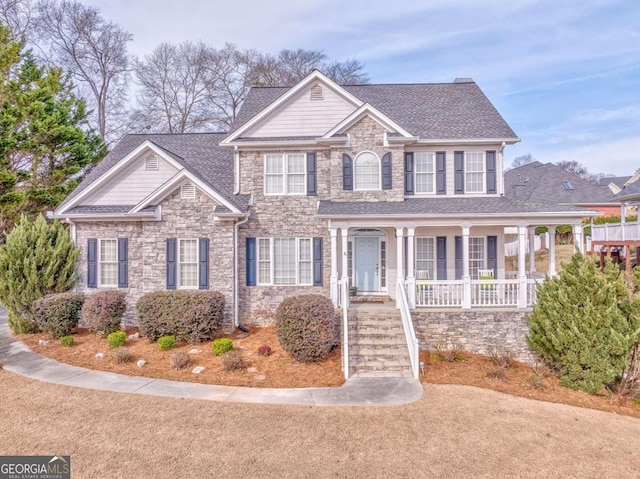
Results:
x,y
236,227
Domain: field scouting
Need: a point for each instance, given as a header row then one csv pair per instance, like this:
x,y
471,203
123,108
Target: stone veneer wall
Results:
x,y
475,330
367,135
275,216
181,218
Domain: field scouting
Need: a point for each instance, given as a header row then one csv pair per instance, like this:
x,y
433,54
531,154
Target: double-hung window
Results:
x,y
425,256
285,174
188,263
474,172
285,261
108,264
477,255
425,172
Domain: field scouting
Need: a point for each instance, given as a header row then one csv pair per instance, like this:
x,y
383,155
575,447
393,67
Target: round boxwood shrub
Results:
x,y
221,345
67,341
59,313
305,326
166,342
103,311
117,339
193,316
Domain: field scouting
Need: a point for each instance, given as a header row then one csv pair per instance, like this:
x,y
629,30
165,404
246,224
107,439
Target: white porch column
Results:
x,y
552,251
399,259
334,266
344,232
466,276
577,238
522,276
532,250
411,278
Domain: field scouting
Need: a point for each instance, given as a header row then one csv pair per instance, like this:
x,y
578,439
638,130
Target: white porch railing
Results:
x,y
615,232
496,293
343,298
407,324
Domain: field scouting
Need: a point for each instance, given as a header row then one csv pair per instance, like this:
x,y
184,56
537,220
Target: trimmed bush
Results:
x,y
264,350
179,360
117,339
584,324
37,259
193,316
58,314
102,311
166,342
67,341
221,345
306,326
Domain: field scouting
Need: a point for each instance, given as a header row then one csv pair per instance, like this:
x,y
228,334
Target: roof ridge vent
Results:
x,y
463,80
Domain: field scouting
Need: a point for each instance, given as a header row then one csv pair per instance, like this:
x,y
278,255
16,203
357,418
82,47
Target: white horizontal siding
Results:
x,y
133,184
302,117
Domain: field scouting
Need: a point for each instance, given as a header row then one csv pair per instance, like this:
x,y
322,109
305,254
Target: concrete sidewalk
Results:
x,y
16,357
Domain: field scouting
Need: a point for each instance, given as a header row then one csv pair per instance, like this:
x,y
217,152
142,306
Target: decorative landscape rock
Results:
x,y
252,370
141,362
195,351
99,355
260,377
134,336
43,342
197,370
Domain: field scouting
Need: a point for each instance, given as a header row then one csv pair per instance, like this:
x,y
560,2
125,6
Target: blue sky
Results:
x,y
565,74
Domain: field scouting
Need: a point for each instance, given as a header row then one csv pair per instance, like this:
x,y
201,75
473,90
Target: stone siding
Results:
x,y
181,218
475,331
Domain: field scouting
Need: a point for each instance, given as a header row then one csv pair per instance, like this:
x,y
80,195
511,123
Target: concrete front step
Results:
x,y
381,349
381,374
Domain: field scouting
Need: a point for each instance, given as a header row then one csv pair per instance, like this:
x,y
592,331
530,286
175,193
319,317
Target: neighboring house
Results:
x,y
546,182
615,183
316,187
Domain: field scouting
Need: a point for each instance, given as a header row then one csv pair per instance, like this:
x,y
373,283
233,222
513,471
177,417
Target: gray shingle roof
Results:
x,y
107,209
619,181
198,152
542,182
630,192
445,111
494,206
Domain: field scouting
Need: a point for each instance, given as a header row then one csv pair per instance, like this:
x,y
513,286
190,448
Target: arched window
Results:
x,y
367,171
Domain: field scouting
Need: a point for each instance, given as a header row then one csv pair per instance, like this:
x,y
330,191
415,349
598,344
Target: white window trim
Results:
x,y
484,173
178,263
484,252
99,268
285,184
260,281
435,254
415,174
355,176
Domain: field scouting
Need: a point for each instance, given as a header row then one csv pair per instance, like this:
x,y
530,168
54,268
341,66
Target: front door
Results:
x,y
366,264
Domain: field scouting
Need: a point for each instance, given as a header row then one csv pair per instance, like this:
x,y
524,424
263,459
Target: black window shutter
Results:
x,y
172,282
441,172
408,174
203,263
458,257
317,261
387,172
458,162
492,186
492,254
312,176
441,255
92,263
251,261
347,172
123,263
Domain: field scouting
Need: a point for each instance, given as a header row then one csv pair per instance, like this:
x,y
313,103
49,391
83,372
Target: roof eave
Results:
x,y
558,214
467,141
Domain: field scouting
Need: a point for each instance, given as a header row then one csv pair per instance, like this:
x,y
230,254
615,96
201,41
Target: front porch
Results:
x,y
417,257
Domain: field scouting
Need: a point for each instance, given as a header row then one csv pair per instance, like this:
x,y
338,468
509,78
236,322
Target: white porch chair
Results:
x,y
423,285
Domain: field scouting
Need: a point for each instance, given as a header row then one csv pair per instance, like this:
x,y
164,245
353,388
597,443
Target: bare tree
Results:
x,y
16,14
174,90
76,37
580,170
521,161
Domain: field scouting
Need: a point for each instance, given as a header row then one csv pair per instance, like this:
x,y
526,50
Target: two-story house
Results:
x,y
388,188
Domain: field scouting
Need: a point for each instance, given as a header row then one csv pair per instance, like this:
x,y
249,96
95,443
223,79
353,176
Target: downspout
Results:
x,y
72,231
501,153
236,227
236,167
